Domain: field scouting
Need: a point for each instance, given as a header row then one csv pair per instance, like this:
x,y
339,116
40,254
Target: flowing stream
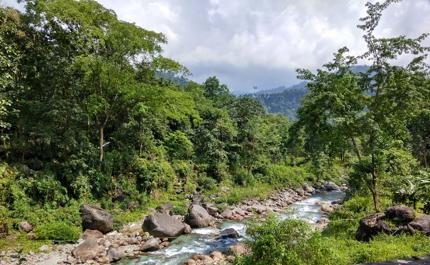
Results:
x,y
203,240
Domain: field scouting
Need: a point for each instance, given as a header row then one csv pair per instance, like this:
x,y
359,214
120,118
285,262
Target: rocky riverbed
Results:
x,y
215,233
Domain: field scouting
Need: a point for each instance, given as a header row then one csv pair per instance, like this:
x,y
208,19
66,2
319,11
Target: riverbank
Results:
x,y
131,242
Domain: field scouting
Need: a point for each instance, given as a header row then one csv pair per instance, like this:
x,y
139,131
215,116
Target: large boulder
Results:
x,y
421,223
87,250
163,225
330,186
95,218
229,233
400,214
370,226
198,216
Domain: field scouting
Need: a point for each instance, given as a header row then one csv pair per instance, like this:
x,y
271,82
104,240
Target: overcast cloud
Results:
x,y
260,43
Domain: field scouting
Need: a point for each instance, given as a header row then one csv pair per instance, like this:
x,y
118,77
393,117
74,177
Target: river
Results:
x,y
203,240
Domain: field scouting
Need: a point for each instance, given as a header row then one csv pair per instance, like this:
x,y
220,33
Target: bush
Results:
x,y
243,177
60,231
287,242
285,175
153,174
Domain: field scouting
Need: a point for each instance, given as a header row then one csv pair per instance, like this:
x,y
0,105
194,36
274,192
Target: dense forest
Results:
x,y
92,112
87,115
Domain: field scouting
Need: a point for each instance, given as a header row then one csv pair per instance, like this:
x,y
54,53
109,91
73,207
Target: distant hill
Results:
x,y
285,100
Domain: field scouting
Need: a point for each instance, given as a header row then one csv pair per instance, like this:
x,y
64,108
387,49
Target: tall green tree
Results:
x,y
366,113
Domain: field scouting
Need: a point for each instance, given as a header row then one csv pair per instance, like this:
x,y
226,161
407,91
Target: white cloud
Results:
x,y
254,42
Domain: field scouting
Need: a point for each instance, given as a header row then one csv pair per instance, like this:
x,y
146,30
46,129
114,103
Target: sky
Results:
x,y
258,44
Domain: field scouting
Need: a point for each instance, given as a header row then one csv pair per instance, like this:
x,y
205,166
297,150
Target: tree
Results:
x,y
11,33
366,113
216,91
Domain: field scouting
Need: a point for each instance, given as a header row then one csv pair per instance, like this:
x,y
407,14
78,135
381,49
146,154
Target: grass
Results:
x,y
22,244
237,194
381,248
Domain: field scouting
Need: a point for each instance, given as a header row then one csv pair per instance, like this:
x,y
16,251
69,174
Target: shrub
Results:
x,y
179,146
286,242
243,177
60,231
285,175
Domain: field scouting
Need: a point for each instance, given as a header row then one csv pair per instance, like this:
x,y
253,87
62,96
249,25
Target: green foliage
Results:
x,y
381,248
294,242
287,242
414,190
367,113
153,175
59,231
285,175
236,194
179,146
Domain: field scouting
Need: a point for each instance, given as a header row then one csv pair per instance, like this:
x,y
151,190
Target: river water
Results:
x,y
203,240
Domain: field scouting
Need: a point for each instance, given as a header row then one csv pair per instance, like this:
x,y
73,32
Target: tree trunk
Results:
x,y
373,186
357,151
101,143
375,198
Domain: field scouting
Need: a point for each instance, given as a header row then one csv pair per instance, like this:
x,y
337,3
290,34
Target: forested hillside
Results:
x,y
89,112
282,100
287,100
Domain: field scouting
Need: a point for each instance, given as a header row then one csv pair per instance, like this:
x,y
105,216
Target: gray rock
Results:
x,y
151,245
197,199
95,218
166,208
87,250
92,233
308,188
327,208
163,225
400,214
229,233
227,214
198,217
211,208
216,255
187,229
300,192
330,186
370,226
421,223
25,226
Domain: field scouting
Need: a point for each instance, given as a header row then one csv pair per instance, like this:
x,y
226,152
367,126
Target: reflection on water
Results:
x,y
203,240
